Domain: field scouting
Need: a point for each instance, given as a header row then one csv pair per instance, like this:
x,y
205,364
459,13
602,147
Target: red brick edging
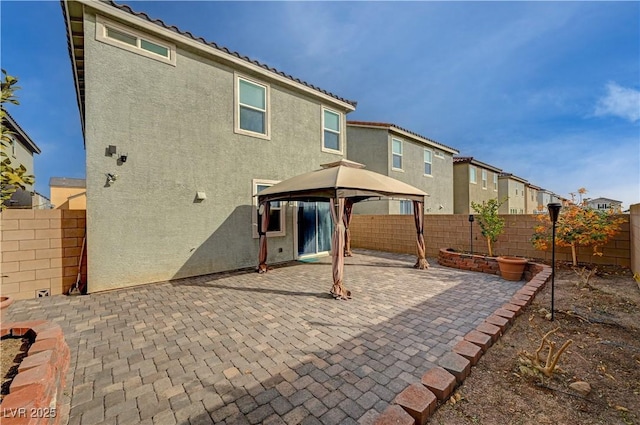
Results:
x,y
36,391
414,405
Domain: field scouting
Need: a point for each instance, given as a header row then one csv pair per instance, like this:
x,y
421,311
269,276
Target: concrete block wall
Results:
x,y
396,233
634,229
40,251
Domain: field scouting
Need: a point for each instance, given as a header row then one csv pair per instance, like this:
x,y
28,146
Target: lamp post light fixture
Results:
x,y
554,211
471,218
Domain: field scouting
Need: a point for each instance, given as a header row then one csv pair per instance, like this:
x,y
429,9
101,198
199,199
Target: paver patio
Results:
x,y
274,348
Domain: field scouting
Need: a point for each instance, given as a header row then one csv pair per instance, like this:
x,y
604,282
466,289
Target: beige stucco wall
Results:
x,y
69,198
22,156
176,125
515,192
466,192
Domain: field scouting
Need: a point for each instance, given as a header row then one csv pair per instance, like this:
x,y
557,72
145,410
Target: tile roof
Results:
x,y
391,126
177,30
472,160
67,182
23,137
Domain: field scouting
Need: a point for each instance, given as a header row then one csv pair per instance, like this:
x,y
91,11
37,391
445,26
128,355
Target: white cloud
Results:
x,y
621,102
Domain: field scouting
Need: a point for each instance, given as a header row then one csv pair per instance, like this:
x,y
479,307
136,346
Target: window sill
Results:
x,y
252,134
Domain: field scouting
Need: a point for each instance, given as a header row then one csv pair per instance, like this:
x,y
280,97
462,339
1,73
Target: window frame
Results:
x,y
401,154
406,202
484,179
430,174
473,178
102,24
254,213
438,154
340,131
495,182
267,103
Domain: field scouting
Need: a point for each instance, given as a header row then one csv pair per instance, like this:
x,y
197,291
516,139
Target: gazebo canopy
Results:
x,y
342,183
341,179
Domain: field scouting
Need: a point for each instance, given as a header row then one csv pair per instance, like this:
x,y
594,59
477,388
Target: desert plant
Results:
x,y
12,177
550,364
491,224
577,226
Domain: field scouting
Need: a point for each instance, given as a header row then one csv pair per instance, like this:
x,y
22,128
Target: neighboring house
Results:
x,y
605,204
406,156
474,181
68,193
531,199
180,134
512,187
20,151
545,197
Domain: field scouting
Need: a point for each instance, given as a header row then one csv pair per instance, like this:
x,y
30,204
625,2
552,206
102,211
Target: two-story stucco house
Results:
x,y
512,188
406,156
605,204
180,134
20,151
474,181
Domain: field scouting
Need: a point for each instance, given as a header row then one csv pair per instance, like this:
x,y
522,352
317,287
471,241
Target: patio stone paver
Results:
x,y
274,348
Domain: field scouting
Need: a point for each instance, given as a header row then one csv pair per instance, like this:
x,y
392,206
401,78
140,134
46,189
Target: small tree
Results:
x,y
577,226
12,177
491,224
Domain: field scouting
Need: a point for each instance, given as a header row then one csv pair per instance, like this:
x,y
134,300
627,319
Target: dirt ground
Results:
x,y
602,319
12,350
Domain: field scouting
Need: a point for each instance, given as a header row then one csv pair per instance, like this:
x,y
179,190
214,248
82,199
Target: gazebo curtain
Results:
x,y
262,231
418,216
337,248
348,209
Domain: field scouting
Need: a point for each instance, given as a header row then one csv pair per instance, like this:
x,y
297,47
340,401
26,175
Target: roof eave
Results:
x,y
200,44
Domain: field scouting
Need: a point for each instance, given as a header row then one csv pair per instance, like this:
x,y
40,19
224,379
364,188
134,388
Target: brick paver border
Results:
x,y
36,391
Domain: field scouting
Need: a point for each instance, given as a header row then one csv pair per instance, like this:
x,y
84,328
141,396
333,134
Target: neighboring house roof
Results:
x,y
75,40
534,187
22,136
473,161
603,200
67,182
400,130
512,177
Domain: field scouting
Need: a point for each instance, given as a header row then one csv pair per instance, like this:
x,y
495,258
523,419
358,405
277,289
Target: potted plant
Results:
x,y
492,226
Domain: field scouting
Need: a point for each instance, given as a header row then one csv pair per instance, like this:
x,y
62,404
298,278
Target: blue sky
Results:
x,y
548,91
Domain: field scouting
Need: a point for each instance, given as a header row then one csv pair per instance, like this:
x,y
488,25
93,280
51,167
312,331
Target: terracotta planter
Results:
x,y
5,302
512,268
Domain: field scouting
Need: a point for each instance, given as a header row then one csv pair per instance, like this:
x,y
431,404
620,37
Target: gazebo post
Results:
x,y
348,209
337,248
418,215
264,211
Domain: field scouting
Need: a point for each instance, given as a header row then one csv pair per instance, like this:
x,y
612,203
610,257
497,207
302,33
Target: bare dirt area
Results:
x,y
601,317
12,350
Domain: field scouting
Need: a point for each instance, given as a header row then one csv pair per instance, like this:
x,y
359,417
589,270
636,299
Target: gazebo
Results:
x,y
343,184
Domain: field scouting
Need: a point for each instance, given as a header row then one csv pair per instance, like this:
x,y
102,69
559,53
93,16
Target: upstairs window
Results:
x,y
252,112
396,154
427,162
484,179
438,154
331,135
135,41
472,174
495,182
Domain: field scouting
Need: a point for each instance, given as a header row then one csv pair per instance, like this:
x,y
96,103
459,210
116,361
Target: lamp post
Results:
x,y
471,218
554,211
